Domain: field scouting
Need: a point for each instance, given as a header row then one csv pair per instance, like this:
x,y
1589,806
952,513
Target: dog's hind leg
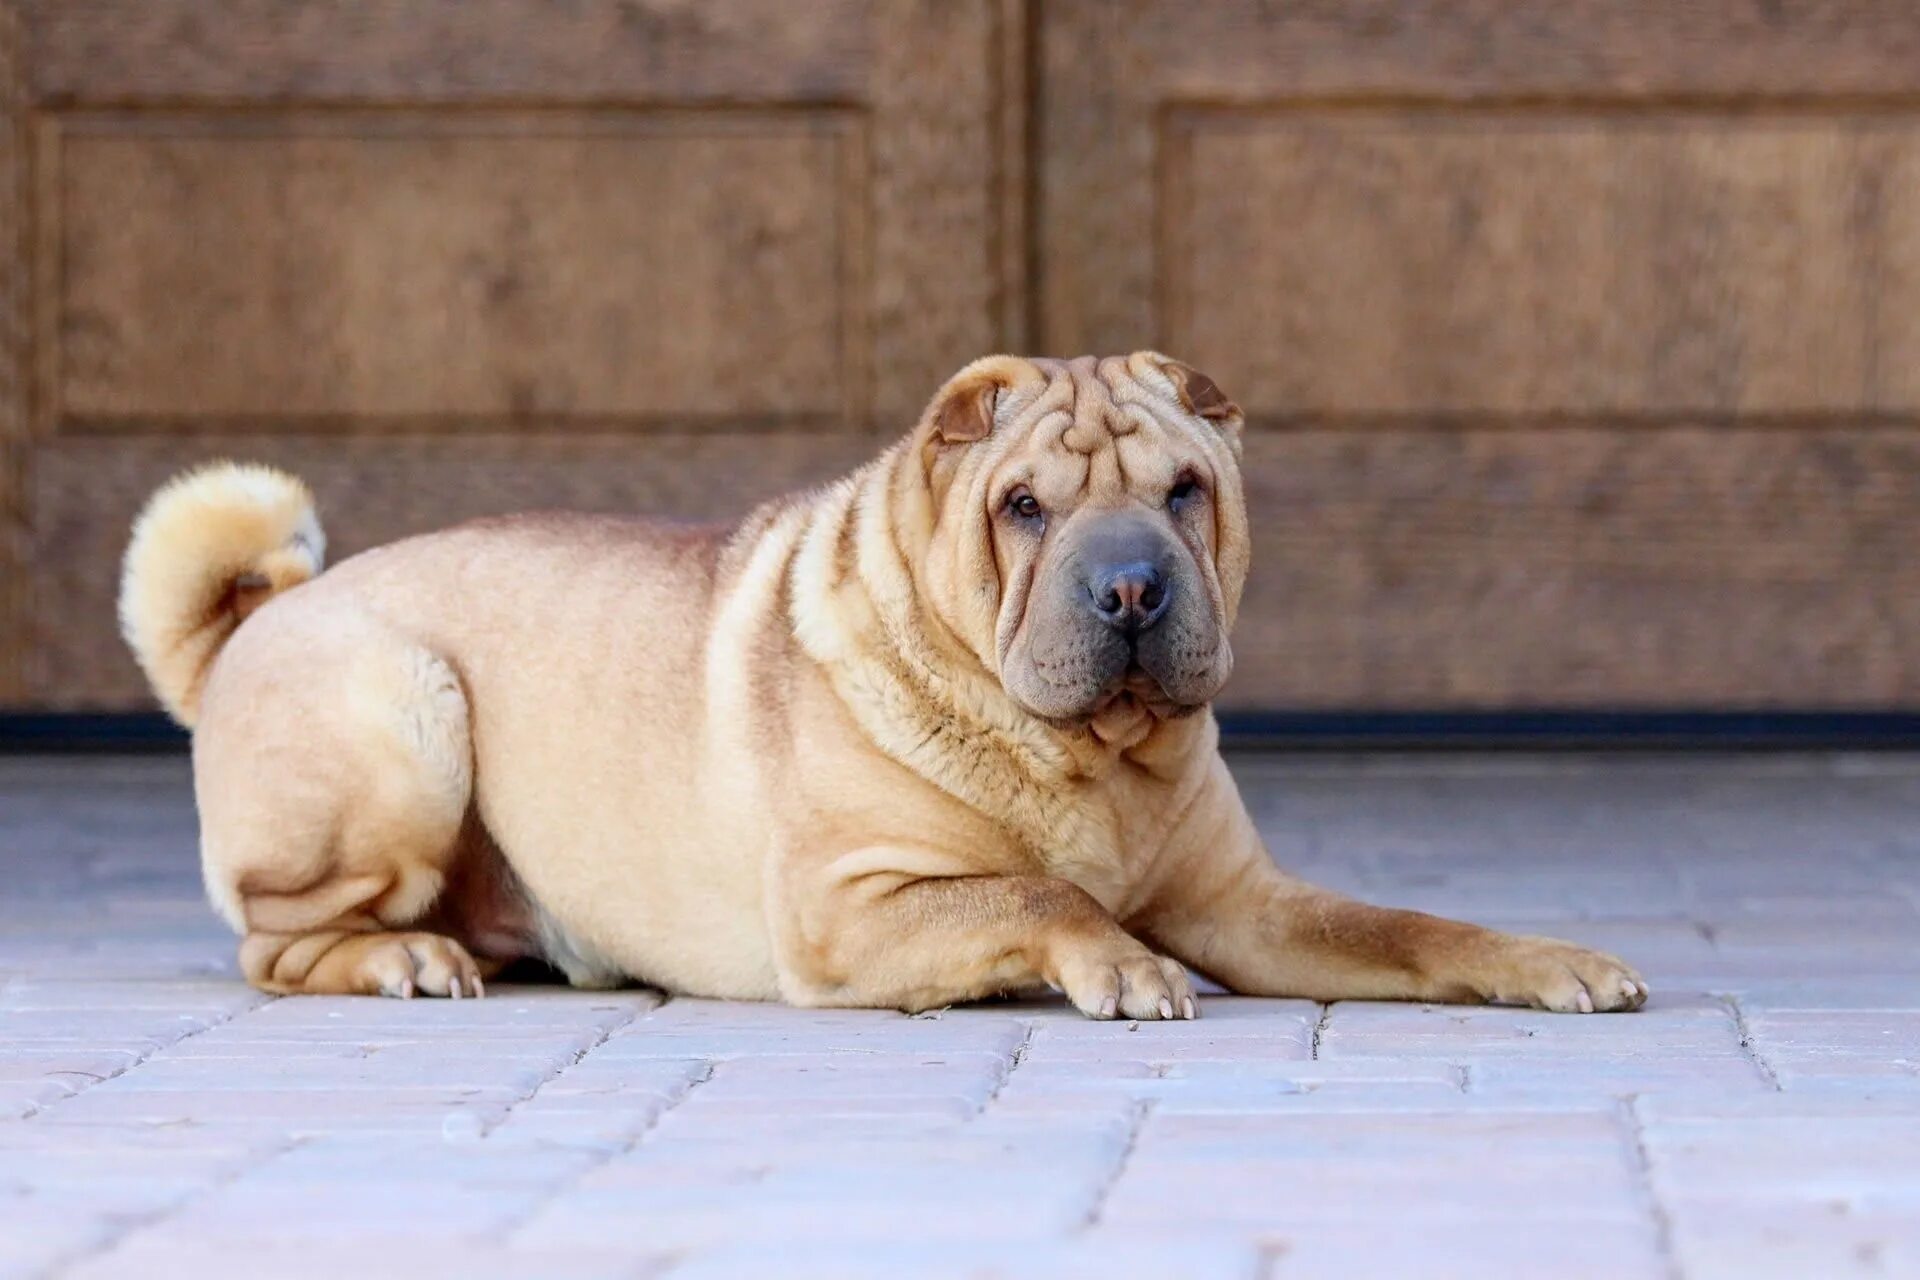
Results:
x,y
332,802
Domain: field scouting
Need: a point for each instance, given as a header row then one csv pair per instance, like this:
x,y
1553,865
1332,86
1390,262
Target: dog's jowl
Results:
x,y
936,731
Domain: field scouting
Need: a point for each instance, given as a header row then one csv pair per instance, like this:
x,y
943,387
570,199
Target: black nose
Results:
x,y
1131,597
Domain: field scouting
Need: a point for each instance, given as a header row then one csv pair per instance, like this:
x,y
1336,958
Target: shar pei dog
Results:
x,y
933,732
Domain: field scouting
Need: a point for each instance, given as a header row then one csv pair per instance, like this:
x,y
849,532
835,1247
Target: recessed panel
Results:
x,y
380,269
1638,263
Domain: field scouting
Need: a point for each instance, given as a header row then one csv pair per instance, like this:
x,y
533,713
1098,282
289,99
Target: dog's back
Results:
x,y
364,735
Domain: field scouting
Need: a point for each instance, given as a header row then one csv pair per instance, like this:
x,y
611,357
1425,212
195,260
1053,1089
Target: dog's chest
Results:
x,y
1062,819
1076,834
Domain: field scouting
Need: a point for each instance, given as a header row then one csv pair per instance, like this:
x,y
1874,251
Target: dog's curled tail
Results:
x,y
209,548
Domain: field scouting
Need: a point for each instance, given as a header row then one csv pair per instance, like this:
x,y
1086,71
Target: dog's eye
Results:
x,y
1023,504
1183,491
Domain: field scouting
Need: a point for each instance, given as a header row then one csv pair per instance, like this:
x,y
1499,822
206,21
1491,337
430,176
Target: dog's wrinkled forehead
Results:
x,y
1085,405
1084,408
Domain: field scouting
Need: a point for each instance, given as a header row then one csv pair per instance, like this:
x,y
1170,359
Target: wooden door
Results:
x,y
450,257
1581,339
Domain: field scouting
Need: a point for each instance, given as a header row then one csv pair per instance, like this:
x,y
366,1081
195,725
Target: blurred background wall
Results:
x,y
1580,340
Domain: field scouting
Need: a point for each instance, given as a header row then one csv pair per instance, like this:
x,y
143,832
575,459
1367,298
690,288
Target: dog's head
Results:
x,y
1089,534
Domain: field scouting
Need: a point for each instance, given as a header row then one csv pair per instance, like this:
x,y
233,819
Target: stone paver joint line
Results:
x,y
1096,1212
95,1079
1319,1029
1014,1059
1643,1172
604,1035
1749,1045
606,1155
129,1228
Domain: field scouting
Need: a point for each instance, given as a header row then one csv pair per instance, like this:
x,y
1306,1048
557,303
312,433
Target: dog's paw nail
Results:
x,y
1585,1002
1186,1008
1166,1007
1109,1007
453,989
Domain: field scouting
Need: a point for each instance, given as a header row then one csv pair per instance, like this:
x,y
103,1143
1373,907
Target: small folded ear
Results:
x,y
1202,395
963,412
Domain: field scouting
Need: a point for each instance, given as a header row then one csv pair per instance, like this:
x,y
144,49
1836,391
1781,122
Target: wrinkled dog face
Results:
x,y
1090,534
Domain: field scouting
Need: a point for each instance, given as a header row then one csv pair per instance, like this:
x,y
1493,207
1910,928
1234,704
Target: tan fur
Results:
x,y
871,746
208,549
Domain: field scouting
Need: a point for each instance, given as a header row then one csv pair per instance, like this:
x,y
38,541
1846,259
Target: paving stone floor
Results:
x,y
1760,1118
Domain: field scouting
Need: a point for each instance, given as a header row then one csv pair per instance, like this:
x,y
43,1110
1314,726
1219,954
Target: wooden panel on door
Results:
x,y
406,270
1581,349
479,254
1477,264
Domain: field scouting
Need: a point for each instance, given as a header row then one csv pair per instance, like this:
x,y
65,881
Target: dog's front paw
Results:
x,y
1105,980
404,964
1550,974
